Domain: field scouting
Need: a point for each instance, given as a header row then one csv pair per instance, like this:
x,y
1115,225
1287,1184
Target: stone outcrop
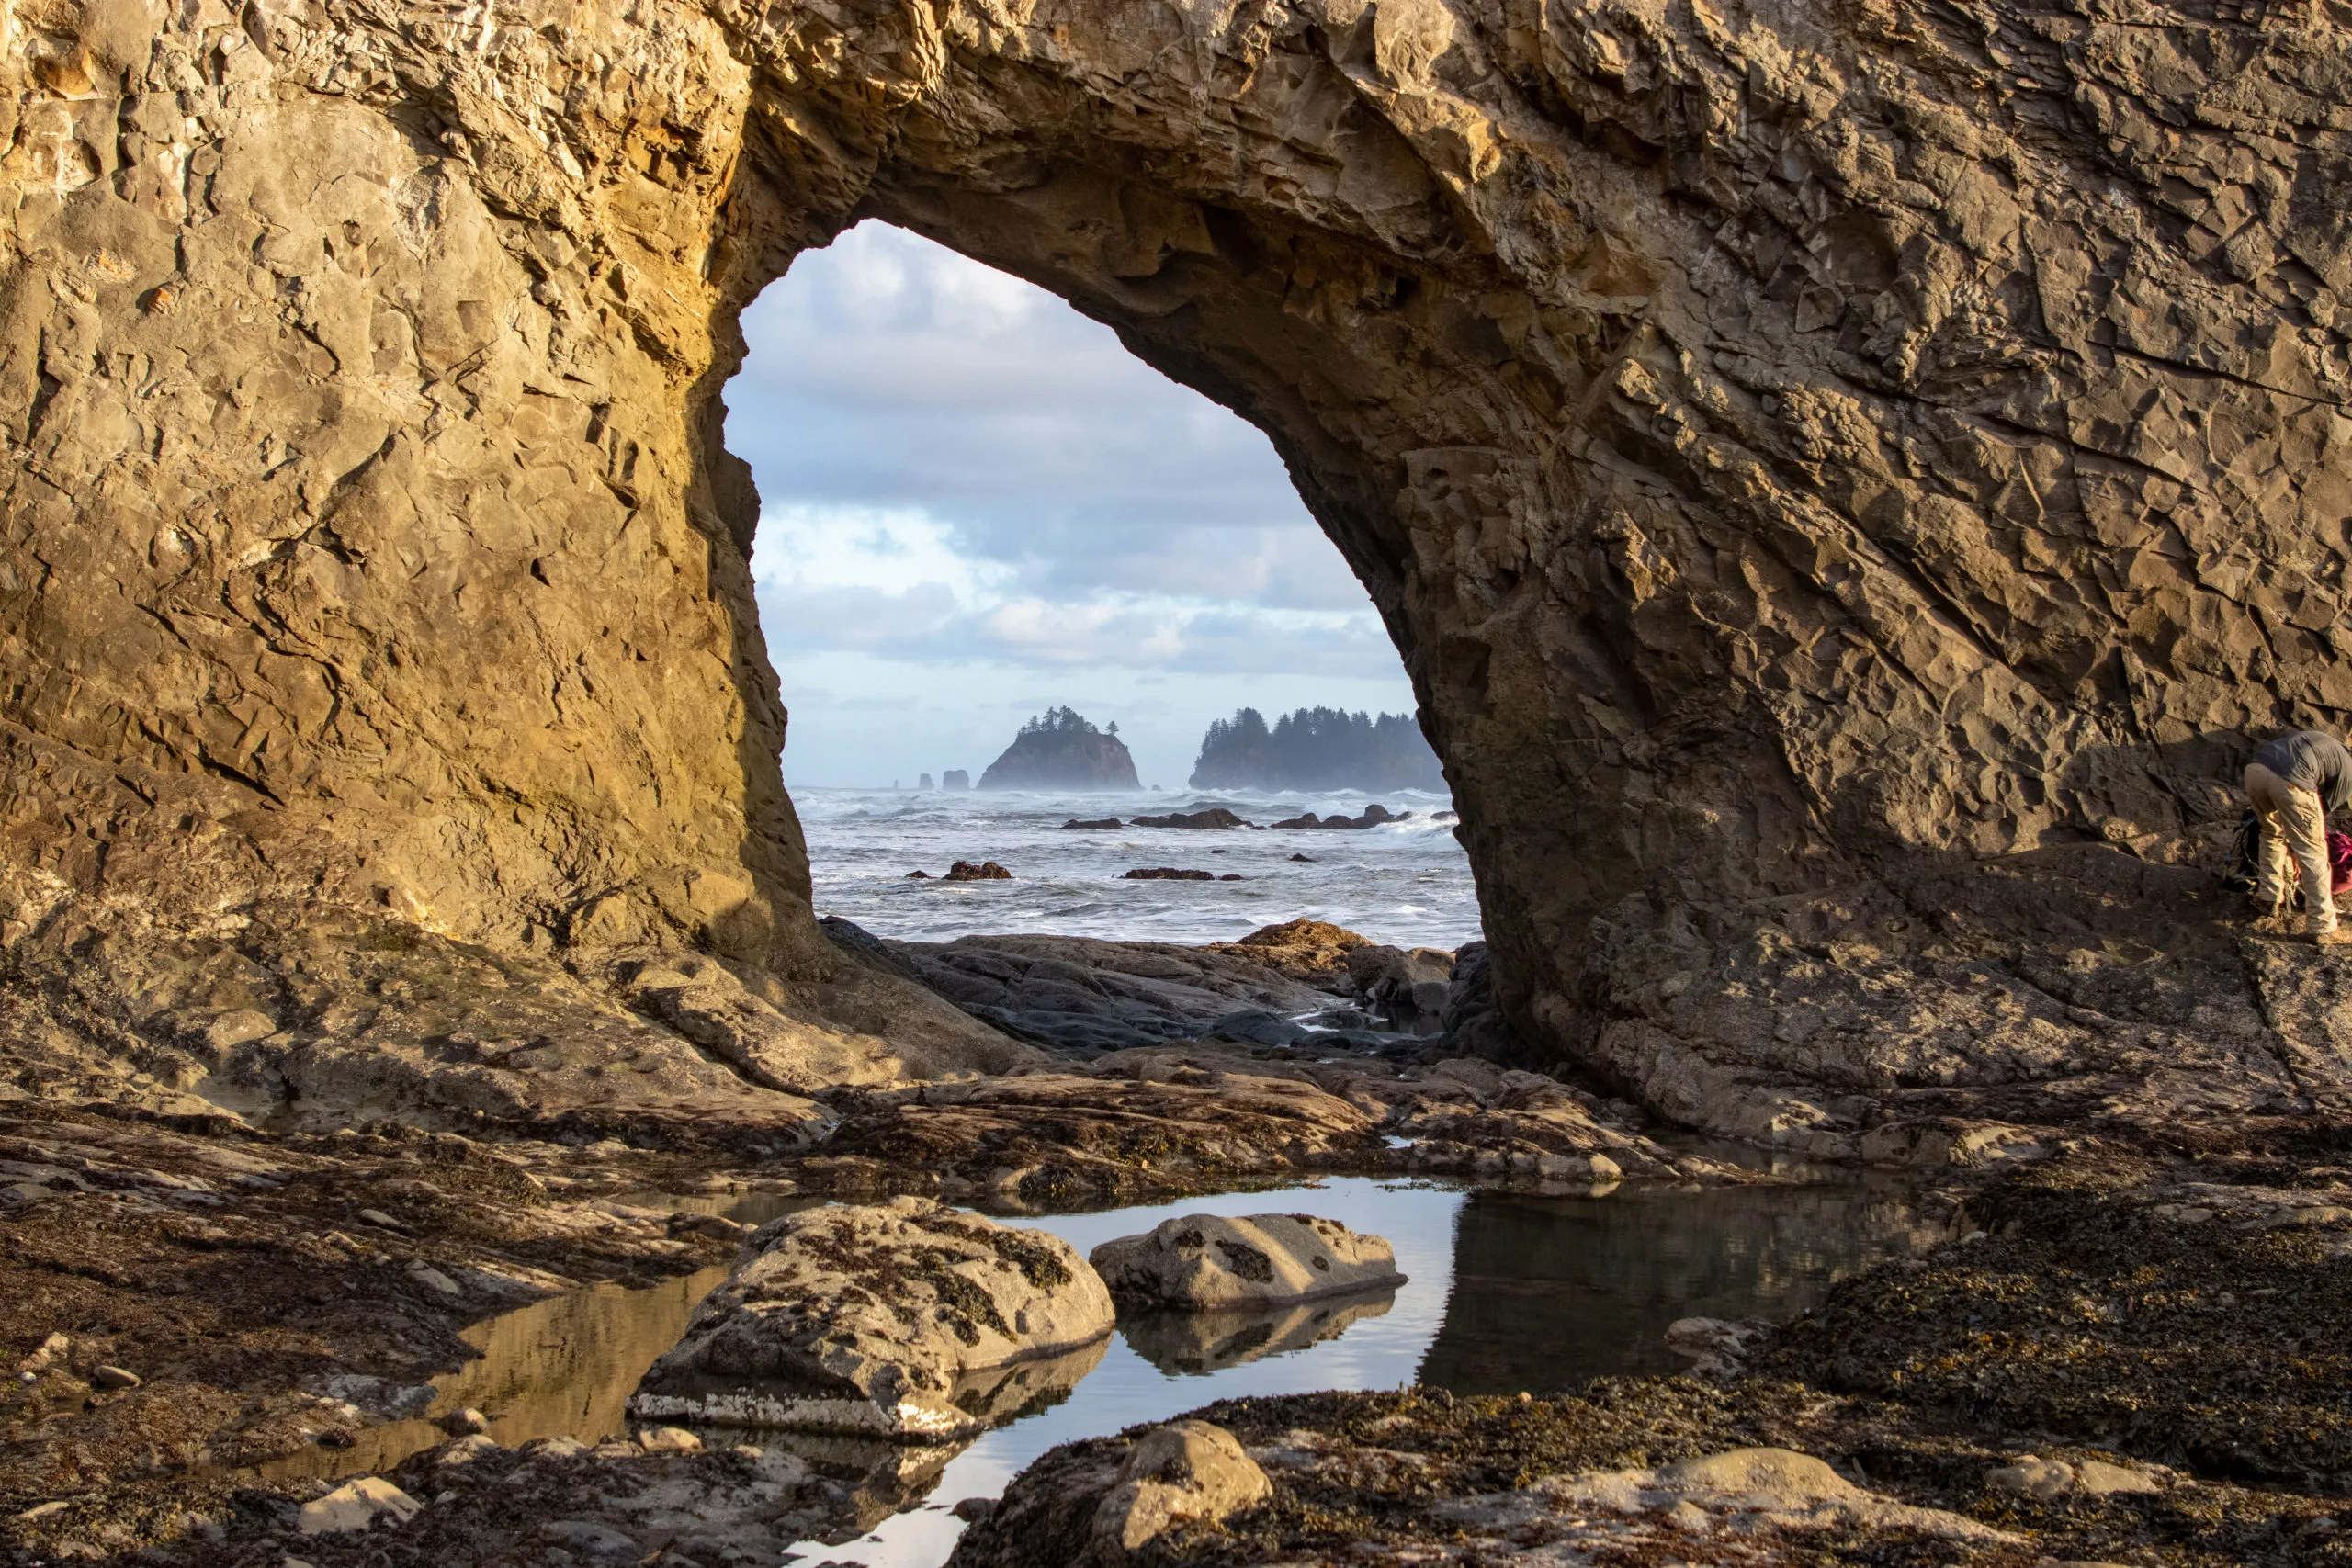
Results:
x,y
1166,1120
1211,1261
1373,815
1044,1137
1060,751
1844,484
884,1321
1213,817
1102,1509
1411,986
1312,950
1080,995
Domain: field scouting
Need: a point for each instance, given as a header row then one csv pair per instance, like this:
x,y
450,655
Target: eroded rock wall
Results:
x,y
1844,480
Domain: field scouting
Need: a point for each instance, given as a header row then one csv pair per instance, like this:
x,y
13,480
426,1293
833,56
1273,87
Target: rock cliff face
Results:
x,y
1844,481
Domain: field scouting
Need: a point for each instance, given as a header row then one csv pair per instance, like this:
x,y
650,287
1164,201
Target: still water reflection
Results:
x,y
1505,1291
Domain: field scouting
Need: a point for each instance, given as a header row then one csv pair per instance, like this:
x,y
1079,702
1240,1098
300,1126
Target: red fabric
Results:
x,y
2339,862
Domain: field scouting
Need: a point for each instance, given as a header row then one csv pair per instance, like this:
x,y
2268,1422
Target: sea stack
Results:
x,y
1059,749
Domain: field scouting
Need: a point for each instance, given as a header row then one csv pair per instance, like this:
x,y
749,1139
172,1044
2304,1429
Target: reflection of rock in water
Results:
x,y
878,1478
997,1395
1550,1293
559,1367
1193,1342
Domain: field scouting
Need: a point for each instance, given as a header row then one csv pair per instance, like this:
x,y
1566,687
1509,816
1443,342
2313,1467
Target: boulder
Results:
x,y
877,1320
1208,1260
1215,817
986,871
2049,1479
1102,1503
1166,874
356,1505
1097,824
1312,950
1407,985
1472,1015
1373,815
1184,1473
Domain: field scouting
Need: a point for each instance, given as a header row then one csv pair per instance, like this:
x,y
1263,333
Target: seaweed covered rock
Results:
x,y
1113,1499
880,1320
1312,950
1209,1260
1215,818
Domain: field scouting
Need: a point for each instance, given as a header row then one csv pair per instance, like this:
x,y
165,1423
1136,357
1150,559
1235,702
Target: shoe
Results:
x,y
2336,938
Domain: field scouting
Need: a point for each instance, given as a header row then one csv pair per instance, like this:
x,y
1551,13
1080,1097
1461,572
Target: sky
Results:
x,y
976,505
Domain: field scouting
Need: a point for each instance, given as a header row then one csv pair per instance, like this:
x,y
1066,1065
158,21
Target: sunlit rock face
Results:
x,y
1843,481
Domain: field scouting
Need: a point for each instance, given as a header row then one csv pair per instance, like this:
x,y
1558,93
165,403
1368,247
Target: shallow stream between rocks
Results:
x,y
1506,1289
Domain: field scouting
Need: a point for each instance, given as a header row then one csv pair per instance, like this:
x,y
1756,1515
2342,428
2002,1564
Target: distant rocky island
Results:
x,y
1317,748
1059,749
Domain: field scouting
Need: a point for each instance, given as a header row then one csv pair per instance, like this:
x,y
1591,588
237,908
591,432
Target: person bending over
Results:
x,y
2294,780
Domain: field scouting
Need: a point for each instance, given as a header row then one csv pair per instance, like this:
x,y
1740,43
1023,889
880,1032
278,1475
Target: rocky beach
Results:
x,y
1849,487
2075,1342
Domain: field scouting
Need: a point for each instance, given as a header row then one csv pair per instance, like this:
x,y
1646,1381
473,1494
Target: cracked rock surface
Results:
x,y
903,1321
1845,485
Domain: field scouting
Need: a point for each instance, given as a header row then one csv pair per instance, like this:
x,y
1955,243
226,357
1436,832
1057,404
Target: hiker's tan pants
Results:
x,y
2293,823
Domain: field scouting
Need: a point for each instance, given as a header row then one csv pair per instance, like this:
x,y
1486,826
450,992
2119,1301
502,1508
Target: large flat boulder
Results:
x,y
1209,1260
1080,997
888,1319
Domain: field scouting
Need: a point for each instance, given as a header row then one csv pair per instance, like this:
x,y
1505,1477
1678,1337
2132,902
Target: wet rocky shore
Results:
x,y
2127,1351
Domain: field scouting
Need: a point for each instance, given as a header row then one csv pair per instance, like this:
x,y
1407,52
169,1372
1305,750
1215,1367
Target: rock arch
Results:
x,y
1843,481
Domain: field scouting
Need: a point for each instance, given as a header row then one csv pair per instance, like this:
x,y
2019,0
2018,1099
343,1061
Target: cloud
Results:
x,y
969,490
887,372
894,581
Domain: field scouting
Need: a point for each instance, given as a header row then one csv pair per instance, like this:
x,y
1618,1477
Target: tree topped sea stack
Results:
x,y
1059,749
1317,748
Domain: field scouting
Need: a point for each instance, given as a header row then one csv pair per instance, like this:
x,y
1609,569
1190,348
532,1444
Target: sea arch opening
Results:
x,y
976,505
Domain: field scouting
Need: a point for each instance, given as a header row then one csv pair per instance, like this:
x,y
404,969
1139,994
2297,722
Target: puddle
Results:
x,y
1505,1291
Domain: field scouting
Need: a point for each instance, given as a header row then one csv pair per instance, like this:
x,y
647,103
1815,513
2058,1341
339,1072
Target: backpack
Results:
x,y
2242,872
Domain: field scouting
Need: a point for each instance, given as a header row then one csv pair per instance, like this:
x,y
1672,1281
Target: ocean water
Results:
x,y
1404,883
